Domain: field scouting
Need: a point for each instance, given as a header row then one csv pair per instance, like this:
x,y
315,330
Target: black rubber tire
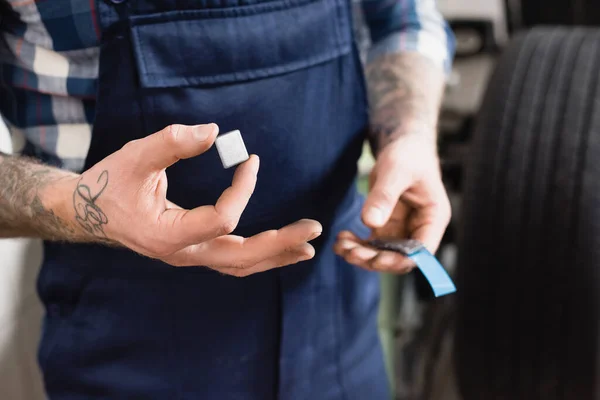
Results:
x,y
560,12
528,301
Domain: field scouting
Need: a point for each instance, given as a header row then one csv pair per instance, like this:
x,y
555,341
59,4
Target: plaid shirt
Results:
x,y
49,65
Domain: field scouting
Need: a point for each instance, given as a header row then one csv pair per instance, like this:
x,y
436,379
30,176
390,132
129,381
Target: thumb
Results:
x,y
388,184
175,142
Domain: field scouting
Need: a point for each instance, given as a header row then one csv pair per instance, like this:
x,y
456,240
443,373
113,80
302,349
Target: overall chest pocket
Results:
x,y
284,72
221,46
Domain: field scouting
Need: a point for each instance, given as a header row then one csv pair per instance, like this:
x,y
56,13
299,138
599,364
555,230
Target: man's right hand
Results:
x,y
122,200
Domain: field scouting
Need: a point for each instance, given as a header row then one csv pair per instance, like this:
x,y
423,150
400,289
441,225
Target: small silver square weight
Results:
x,y
231,148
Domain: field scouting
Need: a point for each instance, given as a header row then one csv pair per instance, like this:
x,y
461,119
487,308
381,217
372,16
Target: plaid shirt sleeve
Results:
x,y
409,26
48,71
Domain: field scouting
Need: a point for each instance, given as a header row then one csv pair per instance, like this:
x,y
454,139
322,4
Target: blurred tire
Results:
x,y
528,312
560,12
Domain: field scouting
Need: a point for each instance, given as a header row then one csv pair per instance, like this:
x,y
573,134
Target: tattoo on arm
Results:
x,y
87,213
45,216
24,213
21,207
405,92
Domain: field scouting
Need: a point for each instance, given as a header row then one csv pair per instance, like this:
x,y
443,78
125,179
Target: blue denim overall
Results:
x,y
287,74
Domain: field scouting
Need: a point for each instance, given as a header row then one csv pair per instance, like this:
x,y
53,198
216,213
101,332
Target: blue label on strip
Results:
x,y
434,272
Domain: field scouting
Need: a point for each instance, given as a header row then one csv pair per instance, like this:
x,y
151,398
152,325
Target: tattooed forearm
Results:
x,y
26,192
87,213
405,92
21,207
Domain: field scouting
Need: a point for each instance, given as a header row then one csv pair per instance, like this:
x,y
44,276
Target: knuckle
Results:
x,y
227,225
384,196
159,249
132,151
131,145
171,133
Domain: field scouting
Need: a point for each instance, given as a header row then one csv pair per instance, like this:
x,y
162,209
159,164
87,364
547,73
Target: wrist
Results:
x,y
58,196
421,135
56,199
63,198
414,151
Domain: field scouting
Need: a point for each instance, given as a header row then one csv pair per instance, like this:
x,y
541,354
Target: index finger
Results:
x,y
164,148
200,224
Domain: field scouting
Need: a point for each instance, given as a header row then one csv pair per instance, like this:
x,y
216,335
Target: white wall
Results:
x,y
20,313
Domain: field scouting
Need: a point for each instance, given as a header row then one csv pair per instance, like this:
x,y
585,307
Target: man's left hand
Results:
x,y
407,199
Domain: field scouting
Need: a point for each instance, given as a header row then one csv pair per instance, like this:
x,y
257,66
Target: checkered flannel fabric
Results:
x,y
398,26
48,72
49,52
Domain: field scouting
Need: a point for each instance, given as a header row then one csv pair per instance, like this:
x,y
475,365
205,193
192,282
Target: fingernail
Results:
x,y
304,258
364,253
203,132
257,164
314,235
375,216
308,252
347,245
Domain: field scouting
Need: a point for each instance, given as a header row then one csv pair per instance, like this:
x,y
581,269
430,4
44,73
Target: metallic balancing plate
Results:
x,y
231,148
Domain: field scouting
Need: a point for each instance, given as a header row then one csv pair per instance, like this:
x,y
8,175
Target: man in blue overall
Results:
x,y
124,207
